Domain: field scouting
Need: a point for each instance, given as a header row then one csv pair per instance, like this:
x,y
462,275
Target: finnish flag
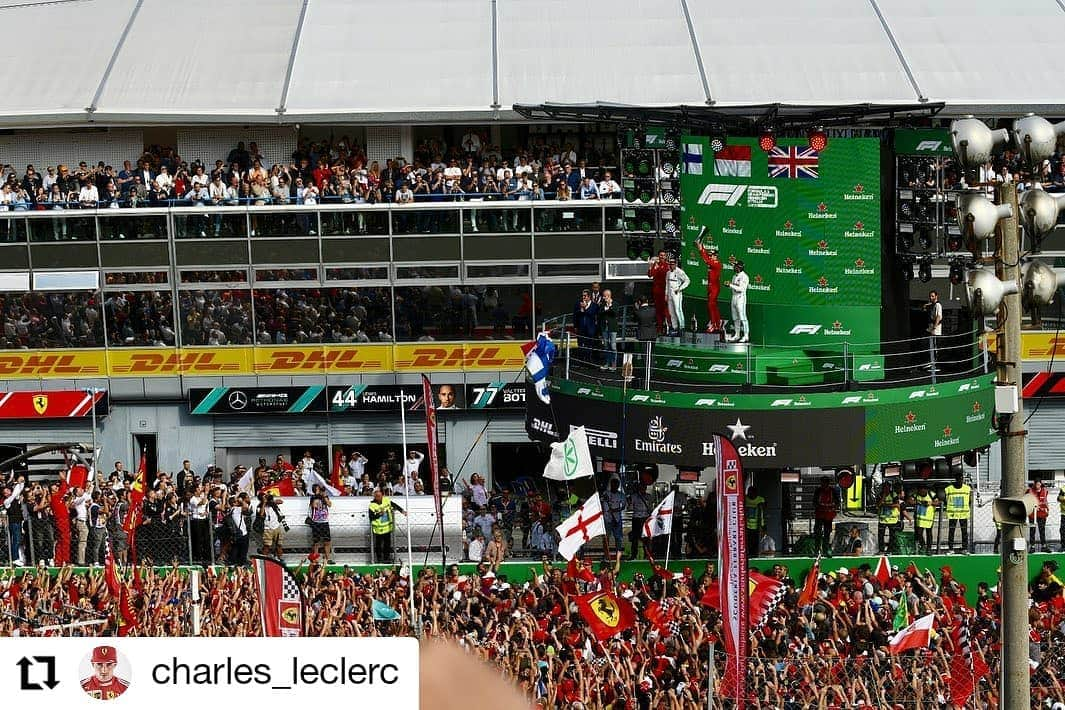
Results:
x,y
693,158
539,355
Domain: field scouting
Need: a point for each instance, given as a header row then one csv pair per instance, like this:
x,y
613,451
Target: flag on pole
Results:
x,y
732,561
606,614
585,523
539,355
916,635
431,443
663,616
311,477
883,570
110,573
282,487
336,478
127,618
246,483
809,589
570,458
280,598
660,521
902,615
766,593
137,490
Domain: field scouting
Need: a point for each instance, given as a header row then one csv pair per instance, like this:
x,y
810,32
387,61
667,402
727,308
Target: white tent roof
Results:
x,y
286,61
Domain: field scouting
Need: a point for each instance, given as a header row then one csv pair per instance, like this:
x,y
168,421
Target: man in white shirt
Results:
x,y
476,550
89,196
478,493
484,520
81,520
676,282
609,188
412,465
356,467
739,283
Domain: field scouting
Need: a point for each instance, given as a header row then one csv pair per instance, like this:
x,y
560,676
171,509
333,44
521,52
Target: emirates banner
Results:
x,y
732,562
805,223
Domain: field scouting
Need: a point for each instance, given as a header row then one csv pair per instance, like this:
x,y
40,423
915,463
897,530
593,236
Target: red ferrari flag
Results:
x,y
283,487
280,598
336,479
606,614
809,589
78,476
137,492
110,573
127,618
732,561
883,570
431,443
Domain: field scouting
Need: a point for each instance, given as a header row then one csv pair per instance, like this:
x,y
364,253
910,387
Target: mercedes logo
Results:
x,y
238,400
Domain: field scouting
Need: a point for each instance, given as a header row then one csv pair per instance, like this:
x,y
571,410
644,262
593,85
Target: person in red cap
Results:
x,y
103,684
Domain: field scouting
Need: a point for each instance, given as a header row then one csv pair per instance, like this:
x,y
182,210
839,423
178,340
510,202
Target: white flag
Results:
x,y
246,482
660,521
582,526
570,458
310,477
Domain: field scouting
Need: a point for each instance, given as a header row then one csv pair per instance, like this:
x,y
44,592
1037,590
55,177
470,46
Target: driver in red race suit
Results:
x,y
713,283
657,270
103,684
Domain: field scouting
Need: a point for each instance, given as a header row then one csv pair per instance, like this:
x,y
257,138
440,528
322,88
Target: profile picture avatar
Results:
x,y
102,673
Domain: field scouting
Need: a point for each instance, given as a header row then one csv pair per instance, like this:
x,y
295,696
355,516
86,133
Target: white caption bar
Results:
x,y
179,673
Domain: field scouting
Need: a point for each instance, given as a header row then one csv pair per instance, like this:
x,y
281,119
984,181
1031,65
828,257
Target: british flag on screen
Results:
x,y
793,162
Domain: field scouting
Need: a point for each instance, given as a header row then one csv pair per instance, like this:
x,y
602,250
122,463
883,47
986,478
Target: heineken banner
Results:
x,y
805,223
771,431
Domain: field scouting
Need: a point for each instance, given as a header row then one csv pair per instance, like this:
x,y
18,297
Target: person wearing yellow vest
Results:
x,y
755,508
382,523
889,513
958,495
924,509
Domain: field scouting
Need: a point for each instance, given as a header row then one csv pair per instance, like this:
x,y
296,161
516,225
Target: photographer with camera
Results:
x,y
318,520
238,523
382,523
271,522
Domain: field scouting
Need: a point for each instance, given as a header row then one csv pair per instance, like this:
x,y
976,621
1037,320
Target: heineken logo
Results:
x,y
758,242
788,224
911,425
789,261
822,250
822,281
758,279
823,287
837,329
757,247
732,223
821,213
837,324
946,430
789,267
758,285
731,227
948,439
789,230
977,415
859,268
691,220
859,193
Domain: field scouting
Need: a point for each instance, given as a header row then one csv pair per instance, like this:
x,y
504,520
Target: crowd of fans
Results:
x,y
828,653
51,320
321,171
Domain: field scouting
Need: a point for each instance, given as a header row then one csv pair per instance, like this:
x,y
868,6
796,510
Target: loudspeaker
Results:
x,y
1014,511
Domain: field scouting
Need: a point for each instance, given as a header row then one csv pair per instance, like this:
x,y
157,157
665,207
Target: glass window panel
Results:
x,y
425,221
553,300
51,320
463,312
497,271
300,274
139,319
64,226
333,315
491,217
129,278
570,218
284,224
427,271
128,224
221,223
12,228
215,317
589,268
613,219
354,222
201,276
356,273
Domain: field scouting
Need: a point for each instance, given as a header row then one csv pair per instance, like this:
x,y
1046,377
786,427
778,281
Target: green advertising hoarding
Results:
x,y
805,223
923,141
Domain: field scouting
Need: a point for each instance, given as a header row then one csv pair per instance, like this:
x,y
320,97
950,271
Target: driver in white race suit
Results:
x,y
741,330
676,282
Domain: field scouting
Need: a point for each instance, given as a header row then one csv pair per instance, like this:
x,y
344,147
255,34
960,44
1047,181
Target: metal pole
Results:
x,y
648,364
710,672
1016,684
932,356
568,345
194,584
406,503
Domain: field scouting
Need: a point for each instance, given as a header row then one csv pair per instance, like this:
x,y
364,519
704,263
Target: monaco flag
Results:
x,y
660,521
582,526
733,161
916,635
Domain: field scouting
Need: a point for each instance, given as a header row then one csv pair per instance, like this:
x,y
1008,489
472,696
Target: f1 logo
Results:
x,y
805,329
718,368
851,400
781,402
729,194
929,145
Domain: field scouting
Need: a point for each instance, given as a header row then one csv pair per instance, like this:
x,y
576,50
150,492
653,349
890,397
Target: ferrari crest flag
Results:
x,y
606,614
732,561
280,599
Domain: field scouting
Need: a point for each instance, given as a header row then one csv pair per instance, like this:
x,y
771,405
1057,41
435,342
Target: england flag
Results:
x,y
660,521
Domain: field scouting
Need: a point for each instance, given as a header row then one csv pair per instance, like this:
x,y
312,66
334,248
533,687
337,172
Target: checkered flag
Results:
x,y
290,588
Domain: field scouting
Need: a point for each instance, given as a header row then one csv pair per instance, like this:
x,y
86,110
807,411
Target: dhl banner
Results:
x,y
1036,347
266,360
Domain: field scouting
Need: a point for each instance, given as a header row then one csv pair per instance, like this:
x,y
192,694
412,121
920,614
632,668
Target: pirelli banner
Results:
x,y
366,358
772,431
